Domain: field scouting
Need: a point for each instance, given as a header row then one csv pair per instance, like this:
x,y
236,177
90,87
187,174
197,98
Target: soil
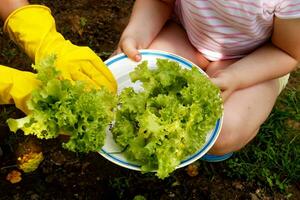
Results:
x,y
66,175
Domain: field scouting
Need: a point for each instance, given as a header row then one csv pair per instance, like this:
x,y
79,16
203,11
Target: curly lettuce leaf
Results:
x,y
169,119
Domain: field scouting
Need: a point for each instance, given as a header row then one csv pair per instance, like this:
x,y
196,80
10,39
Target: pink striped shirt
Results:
x,y
227,29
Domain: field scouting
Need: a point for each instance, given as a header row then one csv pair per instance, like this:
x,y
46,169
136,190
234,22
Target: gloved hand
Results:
x,y
16,87
33,28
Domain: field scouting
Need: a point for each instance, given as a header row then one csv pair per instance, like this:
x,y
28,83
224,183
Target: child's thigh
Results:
x,y
244,112
173,38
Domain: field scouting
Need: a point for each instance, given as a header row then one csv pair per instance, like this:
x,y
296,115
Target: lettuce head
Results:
x,y
169,119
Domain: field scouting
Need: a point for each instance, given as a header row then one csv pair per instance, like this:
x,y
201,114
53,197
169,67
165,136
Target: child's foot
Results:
x,y
215,158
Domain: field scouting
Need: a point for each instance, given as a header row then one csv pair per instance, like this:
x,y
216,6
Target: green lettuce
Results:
x,y
62,107
169,119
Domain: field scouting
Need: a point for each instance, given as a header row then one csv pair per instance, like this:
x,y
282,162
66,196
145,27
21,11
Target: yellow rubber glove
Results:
x,y
16,87
33,28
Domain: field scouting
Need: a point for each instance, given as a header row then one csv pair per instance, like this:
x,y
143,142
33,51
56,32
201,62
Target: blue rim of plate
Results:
x,y
189,64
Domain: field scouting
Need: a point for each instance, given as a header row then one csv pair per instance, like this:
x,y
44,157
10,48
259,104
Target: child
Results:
x,y
248,48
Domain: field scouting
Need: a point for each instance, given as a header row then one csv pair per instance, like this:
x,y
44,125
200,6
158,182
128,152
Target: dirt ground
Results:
x,y
65,175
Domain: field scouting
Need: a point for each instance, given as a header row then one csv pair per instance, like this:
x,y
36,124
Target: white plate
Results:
x,y
121,65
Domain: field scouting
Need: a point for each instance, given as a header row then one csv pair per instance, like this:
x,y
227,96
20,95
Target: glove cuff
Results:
x,y
32,28
38,7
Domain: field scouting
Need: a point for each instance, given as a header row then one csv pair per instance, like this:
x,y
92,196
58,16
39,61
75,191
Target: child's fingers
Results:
x,y
128,46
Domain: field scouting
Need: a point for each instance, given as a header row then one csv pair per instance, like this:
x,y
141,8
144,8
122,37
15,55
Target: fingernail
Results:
x,y
138,57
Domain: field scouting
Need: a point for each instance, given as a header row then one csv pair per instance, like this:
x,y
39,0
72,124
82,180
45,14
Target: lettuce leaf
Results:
x,y
62,107
169,119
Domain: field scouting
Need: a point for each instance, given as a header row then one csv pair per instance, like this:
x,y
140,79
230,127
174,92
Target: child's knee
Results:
x,y
222,146
229,139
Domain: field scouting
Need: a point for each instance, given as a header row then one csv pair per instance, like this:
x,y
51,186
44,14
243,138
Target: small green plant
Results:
x,y
139,197
120,185
105,53
83,22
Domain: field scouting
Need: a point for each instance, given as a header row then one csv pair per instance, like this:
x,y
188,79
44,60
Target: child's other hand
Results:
x,y
129,46
226,81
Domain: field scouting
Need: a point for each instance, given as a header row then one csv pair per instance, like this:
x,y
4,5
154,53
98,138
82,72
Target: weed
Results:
x,y
83,22
120,185
105,53
139,197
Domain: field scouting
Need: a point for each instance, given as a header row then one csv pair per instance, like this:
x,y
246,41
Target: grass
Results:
x,y
273,158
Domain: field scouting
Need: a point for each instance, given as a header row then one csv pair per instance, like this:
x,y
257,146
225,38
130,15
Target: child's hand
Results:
x,y
146,21
129,46
226,81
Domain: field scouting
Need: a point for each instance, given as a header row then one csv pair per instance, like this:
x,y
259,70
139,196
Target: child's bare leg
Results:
x,y
244,112
173,39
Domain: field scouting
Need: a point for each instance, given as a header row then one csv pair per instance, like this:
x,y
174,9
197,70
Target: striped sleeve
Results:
x,y
288,9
